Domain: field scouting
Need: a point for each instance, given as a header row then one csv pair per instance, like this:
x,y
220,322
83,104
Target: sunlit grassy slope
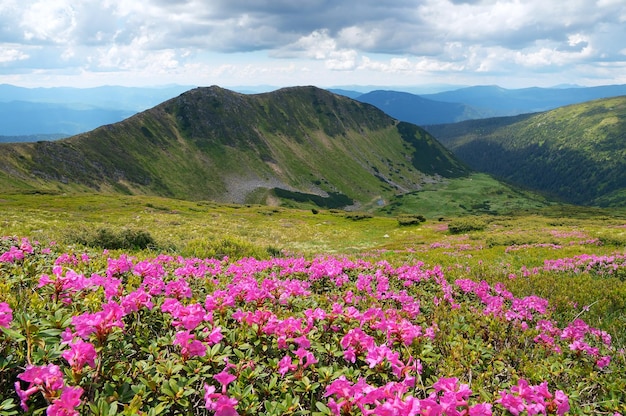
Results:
x,y
175,223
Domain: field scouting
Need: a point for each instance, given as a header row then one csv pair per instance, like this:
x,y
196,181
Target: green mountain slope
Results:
x,y
301,144
577,153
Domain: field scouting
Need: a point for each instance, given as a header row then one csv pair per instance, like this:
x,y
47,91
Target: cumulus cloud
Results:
x,y
416,36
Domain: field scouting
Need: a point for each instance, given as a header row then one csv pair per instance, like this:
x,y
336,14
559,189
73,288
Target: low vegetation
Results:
x,y
235,309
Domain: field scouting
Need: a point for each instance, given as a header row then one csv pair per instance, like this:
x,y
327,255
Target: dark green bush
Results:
x,y
410,219
125,239
357,216
466,225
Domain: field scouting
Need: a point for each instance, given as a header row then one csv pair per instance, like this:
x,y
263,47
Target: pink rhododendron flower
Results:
x,y
6,314
135,300
533,399
47,379
12,255
154,285
603,362
562,402
79,354
481,409
285,365
178,288
215,336
48,376
221,404
189,345
306,357
102,323
119,266
67,403
224,378
24,395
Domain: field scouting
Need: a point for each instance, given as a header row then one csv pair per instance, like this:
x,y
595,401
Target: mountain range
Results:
x,y
67,111
479,102
306,146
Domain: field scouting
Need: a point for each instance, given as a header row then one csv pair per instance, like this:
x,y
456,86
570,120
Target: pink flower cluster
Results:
x,y
48,380
449,398
100,323
499,302
220,403
79,353
375,321
533,400
17,251
6,314
587,263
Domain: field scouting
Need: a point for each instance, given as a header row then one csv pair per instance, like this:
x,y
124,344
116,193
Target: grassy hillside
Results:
x,y
302,143
576,153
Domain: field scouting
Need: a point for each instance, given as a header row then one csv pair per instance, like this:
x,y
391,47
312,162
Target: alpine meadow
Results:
x,y
300,252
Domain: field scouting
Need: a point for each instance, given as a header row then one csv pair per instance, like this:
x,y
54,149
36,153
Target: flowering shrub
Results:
x,y
96,333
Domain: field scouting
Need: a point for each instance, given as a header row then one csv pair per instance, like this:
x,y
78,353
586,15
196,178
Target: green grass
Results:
x,y
174,223
476,194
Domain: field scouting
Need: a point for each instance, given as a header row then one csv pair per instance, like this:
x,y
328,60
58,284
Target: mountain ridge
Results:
x,y
213,143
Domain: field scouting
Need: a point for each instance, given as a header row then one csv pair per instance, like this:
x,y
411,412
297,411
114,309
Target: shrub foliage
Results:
x,y
85,332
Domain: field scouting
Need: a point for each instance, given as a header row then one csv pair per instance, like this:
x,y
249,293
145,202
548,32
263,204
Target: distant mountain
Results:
x,y
300,144
493,101
576,152
20,118
133,99
67,111
345,93
418,110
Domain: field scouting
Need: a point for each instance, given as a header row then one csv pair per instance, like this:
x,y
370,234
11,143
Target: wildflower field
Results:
x,y
146,307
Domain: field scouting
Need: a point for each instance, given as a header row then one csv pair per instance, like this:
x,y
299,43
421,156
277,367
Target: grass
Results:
x,y
174,223
477,194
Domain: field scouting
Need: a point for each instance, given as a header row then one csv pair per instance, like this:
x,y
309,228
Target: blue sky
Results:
x,y
511,43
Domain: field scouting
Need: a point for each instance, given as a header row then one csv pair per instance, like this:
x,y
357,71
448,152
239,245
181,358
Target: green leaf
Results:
x,y
113,409
7,406
174,385
322,408
167,390
13,334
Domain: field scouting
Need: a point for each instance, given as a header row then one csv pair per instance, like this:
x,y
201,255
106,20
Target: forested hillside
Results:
x,y
576,153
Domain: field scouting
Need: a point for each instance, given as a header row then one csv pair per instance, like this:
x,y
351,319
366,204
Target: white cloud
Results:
x,y
340,37
10,54
51,21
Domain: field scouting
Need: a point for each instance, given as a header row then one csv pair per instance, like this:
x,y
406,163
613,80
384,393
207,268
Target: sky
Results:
x,y
327,43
